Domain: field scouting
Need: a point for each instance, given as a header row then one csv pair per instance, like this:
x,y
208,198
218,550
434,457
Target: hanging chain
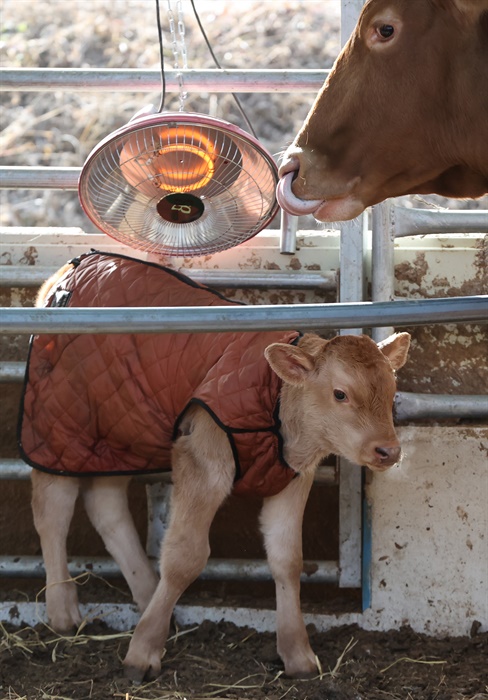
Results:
x,y
178,48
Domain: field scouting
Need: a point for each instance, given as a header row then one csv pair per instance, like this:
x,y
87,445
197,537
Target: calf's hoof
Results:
x,y
62,607
303,668
139,675
302,675
65,621
138,672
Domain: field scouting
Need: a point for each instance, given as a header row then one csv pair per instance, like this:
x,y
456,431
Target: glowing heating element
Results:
x,y
179,159
191,173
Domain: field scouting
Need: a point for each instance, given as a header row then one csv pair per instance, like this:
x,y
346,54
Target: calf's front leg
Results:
x,y
281,525
202,475
53,503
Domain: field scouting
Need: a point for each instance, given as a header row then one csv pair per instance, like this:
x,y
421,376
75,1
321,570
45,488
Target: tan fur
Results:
x,y
314,424
49,284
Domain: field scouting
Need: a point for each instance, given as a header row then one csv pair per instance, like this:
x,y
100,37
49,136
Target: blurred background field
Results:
x,y
60,129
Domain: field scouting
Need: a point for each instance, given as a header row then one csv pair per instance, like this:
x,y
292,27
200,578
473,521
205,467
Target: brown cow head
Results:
x,y
403,111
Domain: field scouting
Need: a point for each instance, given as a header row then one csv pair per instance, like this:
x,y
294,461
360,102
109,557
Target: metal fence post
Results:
x,y
351,287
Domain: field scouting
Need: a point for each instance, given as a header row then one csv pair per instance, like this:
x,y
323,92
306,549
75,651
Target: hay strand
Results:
x,y
350,645
412,661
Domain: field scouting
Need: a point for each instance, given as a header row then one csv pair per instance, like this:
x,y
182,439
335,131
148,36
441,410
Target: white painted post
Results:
x,y
382,260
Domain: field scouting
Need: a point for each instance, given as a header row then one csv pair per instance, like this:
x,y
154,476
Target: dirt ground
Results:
x,y
221,661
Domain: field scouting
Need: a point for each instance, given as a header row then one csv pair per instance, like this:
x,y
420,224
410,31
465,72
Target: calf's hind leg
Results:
x,y
203,471
281,525
105,500
53,502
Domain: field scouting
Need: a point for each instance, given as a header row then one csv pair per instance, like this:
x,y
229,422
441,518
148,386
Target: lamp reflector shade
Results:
x,y
179,184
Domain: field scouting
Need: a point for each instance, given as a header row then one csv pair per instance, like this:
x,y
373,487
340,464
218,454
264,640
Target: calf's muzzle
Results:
x,y
385,456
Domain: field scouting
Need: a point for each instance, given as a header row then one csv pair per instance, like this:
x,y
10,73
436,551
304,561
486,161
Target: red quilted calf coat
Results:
x,y
111,404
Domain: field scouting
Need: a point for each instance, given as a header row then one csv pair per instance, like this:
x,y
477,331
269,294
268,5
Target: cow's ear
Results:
x,y
395,348
469,10
290,363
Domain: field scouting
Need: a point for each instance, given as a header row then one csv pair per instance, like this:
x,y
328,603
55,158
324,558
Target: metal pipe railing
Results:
x,y
403,221
34,276
12,372
133,80
216,569
408,406
245,318
439,406
420,222
18,470
39,178
14,470
288,233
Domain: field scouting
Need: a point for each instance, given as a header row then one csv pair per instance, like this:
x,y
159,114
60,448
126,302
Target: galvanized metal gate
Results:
x,y
389,221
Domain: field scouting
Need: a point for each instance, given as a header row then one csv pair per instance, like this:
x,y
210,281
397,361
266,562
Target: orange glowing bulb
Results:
x,y
183,160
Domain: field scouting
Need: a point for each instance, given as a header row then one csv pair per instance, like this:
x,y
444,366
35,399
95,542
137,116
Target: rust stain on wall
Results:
x,y
294,264
253,262
30,256
413,272
447,359
418,277
481,261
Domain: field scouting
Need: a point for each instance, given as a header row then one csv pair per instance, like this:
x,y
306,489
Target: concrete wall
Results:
x,y
429,565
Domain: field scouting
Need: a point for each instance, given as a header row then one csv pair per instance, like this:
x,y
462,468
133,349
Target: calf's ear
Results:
x,y
290,363
395,348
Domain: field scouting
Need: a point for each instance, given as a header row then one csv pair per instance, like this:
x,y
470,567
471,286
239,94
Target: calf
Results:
x,y
403,111
309,397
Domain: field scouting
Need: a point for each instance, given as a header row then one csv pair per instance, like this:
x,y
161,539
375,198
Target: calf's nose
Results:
x,y
388,455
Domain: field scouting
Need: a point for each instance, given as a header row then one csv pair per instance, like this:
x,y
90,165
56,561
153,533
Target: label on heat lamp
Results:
x,y
180,208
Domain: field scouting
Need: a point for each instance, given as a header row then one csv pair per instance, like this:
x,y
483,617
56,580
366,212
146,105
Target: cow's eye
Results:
x,y
340,395
386,31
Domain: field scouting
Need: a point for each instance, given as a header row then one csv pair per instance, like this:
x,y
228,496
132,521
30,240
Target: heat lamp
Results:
x,y
177,183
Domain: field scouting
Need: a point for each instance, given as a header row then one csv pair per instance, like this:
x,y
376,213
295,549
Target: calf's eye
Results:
x,y
340,395
386,31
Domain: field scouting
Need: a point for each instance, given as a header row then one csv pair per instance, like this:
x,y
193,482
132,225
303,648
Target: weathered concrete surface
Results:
x,y
430,532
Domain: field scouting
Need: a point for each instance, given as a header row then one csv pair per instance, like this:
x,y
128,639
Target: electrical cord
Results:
x,y
236,99
212,53
161,58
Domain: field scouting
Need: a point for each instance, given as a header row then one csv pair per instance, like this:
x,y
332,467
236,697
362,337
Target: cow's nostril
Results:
x,y
289,165
388,453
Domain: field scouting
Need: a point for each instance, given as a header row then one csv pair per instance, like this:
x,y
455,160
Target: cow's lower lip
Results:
x,y
339,209
381,467
290,202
